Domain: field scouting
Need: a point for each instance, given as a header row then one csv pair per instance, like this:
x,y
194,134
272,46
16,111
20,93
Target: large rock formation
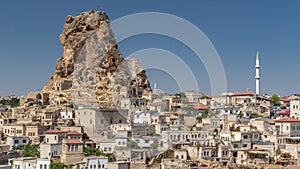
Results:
x,y
92,67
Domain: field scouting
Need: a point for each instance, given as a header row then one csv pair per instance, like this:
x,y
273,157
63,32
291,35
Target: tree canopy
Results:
x,y
59,165
275,98
31,151
205,114
14,102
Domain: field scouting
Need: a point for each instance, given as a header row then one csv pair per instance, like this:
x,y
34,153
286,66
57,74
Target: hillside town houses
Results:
x,y
188,129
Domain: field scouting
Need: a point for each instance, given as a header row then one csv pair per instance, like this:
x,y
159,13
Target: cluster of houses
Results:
x,y
187,130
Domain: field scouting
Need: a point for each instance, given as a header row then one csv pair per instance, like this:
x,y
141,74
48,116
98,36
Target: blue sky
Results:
x,y
30,46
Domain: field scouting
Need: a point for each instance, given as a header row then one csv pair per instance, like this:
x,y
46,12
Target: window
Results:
x,y
146,141
24,141
244,145
16,141
293,128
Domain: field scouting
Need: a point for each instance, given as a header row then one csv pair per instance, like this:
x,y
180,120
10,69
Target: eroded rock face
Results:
x,y
92,65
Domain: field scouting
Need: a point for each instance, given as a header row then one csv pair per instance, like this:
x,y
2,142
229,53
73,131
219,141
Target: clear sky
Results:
x,y
29,40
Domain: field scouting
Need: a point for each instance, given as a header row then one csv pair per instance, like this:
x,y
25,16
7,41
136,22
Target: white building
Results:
x,y
16,141
66,114
121,139
146,141
143,117
107,146
193,96
295,109
181,154
120,127
52,145
43,163
174,137
23,163
96,163
288,127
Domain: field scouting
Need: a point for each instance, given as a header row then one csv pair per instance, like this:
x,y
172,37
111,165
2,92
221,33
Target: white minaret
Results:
x,y
257,74
154,91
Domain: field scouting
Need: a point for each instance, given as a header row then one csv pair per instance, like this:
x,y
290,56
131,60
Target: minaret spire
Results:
x,y
154,91
257,78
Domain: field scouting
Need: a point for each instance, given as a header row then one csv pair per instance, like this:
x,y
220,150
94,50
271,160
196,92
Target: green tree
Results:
x,y
93,151
205,114
71,105
240,115
132,144
59,165
98,152
181,95
31,151
14,102
253,115
276,100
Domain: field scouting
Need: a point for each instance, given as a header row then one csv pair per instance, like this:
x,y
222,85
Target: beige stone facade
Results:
x,y
72,151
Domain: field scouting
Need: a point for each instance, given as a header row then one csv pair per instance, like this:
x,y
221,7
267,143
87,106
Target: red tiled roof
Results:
x,y
289,119
73,141
293,167
285,99
200,107
288,112
243,94
158,103
74,132
54,131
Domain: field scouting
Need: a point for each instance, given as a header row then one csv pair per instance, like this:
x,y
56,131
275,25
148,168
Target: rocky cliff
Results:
x,y
92,67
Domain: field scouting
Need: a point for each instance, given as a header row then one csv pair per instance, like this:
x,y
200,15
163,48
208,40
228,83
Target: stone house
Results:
x,y
23,163
52,144
43,163
95,163
119,165
106,146
288,127
181,154
72,151
16,141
